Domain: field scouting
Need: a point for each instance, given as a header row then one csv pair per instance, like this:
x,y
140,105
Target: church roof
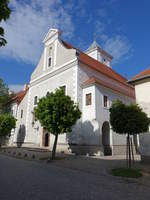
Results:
x,y
100,67
18,97
93,80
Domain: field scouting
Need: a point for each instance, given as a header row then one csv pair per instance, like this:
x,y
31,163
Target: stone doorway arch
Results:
x,y
106,139
46,138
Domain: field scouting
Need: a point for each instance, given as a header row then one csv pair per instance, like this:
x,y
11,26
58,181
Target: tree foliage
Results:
x,y
5,98
128,119
57,113
7,123
4,15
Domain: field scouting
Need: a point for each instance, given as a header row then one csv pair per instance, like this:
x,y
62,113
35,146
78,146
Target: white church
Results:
x,y
88,78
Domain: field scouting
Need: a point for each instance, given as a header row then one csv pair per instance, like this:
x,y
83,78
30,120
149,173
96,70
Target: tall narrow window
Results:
x,y
63,88
49,61
21,113
50,57
105,101
88,99
35,100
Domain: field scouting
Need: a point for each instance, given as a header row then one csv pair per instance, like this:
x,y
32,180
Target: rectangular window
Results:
x,y
105,101
88,99
35,100
21,113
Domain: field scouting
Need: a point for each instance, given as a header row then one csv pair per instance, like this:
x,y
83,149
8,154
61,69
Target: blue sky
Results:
x,y
121,27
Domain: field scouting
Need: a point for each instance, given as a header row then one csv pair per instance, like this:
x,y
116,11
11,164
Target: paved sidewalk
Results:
x,y
24,180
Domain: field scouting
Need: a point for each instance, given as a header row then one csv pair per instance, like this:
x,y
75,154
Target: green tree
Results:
x,y
57,113
7,122
4,15
130,120
5,98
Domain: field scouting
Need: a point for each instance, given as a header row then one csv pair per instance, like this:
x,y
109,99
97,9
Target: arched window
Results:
x,y
50,57
35,100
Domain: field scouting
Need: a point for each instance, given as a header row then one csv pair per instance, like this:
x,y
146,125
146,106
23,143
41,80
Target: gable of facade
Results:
x,y
54,55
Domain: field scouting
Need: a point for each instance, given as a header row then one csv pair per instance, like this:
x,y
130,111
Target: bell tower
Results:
x,y
96,52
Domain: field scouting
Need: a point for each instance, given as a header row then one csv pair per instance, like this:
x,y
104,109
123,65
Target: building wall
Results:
x,y
20,133
142,89
65,70
67,78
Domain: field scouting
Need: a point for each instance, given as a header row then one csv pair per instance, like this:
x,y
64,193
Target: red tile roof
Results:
x,y
18,97
130,92
98,66
141,75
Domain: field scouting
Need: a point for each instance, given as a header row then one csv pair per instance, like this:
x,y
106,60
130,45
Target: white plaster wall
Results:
x,y
142,91
97,55
68,78
94,54
102,113
14,110
89,111
21,121
60,56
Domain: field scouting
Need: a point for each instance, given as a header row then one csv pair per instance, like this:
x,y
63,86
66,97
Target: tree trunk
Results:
x,y
129,151
54,146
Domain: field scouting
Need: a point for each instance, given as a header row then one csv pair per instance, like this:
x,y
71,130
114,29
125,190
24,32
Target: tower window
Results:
x,y
88,99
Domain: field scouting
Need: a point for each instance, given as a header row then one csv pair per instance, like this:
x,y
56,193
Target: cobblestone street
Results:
x,y
28,180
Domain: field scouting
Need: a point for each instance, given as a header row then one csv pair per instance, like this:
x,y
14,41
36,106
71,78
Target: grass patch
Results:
x,y
126,172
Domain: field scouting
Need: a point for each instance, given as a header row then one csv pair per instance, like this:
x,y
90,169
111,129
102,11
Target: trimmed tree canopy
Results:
x,y
57,112
7,122
4,15
4,97
128,118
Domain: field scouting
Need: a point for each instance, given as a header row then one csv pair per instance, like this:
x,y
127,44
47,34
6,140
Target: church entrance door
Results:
x,y
106,139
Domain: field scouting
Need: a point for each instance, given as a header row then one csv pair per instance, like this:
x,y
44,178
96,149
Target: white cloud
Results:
x,y
100,27
28,24
16,88
118,47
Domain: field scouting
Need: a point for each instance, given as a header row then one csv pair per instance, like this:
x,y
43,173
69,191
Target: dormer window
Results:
x,y
50,57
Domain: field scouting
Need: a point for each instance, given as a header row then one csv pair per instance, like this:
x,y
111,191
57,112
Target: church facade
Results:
x,y
87,77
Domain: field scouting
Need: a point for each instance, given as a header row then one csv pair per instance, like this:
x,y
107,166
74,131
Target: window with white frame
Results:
x,y
88,99
105,101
